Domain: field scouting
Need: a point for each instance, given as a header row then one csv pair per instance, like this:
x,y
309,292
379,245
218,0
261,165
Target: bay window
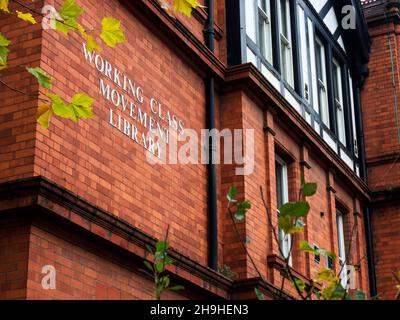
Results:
x,y
282,195
286,42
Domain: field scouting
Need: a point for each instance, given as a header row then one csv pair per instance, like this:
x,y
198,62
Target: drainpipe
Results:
x,y
367,214
211,166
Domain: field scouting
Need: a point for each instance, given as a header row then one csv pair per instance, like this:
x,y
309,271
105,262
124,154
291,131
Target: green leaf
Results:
x,y
82,106
91,44
306,247
334,291
69,12
242,210
165,281
4,43
67,25
285,224
259,294
168,261
4,5
327,253
60,108
43,78
360,295
149,266
44,115
232,194
326,275
177,288
111,32
161,246
295,209
70,9
26,17
309,189
159,267
149,249
300,284
3,57
248,240
185,6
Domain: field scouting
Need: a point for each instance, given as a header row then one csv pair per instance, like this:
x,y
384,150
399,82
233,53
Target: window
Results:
x,y
339,107
342,249
264,29
322,86
317,257
286,42
329,262
282,195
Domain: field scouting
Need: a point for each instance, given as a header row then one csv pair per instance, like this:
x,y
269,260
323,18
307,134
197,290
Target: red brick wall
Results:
x,y
17,122
382,149
14,253
109,170
83,272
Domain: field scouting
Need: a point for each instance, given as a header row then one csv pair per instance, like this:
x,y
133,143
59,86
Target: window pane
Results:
x,y
321,81
338,91
250,10
251,57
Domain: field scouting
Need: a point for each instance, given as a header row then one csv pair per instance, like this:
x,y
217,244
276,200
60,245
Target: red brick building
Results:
x,y
382,139
83,198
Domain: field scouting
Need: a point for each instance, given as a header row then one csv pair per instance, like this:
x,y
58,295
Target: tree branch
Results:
x,y
36,95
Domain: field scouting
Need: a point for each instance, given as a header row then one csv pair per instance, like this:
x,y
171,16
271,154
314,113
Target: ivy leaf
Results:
x,y
43,78
111,32
232,194
185,6
309,189
70,9
149,266
91,44
259,294
242,210
82,106
4,5
177,288
59,107
44,114
26,17
4,43
295,209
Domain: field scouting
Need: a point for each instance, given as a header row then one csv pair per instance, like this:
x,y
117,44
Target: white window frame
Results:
x,y
285,241
265,29
341,249
286,51
338,101
322,83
